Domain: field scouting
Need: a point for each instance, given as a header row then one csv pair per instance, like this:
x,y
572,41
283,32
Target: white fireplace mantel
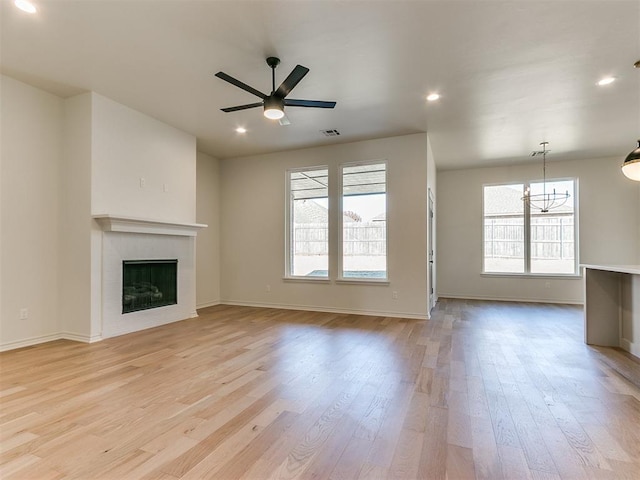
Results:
x,y
112,223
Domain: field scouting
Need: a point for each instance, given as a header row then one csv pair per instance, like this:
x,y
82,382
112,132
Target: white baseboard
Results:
x,y
315,308
630,347
77,337
208,304
442,296
29,342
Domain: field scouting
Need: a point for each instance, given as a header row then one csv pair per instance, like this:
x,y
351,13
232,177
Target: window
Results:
x,y
364,221
504,229
523,240
308,223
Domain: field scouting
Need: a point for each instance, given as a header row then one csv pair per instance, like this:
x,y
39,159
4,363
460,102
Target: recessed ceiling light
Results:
x,y
606,81
25,6
241,130
433,97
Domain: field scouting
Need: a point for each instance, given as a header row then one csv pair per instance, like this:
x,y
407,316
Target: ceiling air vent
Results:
x,y
330,133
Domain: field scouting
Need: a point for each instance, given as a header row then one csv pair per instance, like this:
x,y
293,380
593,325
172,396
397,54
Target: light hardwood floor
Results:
x,y
483,390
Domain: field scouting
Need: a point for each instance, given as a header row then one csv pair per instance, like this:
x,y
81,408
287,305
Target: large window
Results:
x,y
524,240
364,221
308,223
504,236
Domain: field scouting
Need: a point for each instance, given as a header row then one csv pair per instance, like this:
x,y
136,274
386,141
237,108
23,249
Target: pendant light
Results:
x,y
544,201
631,165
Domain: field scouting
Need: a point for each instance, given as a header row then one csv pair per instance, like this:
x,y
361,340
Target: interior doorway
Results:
x,y
431,252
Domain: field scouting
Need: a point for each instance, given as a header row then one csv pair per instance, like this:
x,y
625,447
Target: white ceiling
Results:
x,y
511,74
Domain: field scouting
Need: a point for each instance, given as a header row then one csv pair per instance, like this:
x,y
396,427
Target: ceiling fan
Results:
x,y
274,104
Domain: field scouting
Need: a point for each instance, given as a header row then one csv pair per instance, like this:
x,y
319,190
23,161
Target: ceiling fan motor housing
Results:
x,y
273,102
273,62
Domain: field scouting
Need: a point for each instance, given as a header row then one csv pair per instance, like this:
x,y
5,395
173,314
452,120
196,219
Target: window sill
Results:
x,y
338,281
306,279
552,276
362,281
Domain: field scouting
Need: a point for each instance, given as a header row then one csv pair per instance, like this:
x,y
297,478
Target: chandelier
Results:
x,y
544,201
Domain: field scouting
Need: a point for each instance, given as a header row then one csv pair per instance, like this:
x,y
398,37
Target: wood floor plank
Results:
x,y
302,454
280,448
513,463
503,425
566,460
13,467
460,463
351,462
578,438
385,442
373,472
323,465
486,458
406,458
200,449
239,452
433,457
486,390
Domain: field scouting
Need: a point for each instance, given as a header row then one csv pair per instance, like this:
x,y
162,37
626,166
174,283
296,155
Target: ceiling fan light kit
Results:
x,y
274,103
631,165
273,108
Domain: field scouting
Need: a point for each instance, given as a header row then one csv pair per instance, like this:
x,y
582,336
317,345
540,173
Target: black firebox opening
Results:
x,y
148,284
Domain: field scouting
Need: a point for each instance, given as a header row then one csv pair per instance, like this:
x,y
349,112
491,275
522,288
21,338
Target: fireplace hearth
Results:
x,y
148,284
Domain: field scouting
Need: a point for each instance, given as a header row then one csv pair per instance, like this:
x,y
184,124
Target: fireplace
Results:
x,y
125,239
148,284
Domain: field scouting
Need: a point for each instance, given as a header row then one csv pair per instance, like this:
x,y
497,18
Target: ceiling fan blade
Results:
x,y
308,103
239,84
284,120
291,81
241,107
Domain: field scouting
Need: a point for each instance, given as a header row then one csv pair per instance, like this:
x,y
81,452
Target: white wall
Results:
x,y
128,146
30,139
609,213
208,241
74,274
253,229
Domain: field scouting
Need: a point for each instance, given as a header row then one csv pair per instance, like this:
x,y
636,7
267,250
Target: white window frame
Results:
x,y
288,237
346,280
527,233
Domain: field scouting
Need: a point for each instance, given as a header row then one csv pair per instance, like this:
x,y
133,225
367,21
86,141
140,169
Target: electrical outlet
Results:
x,y
394,295
165,187
268,288
143,182
24,313
547,284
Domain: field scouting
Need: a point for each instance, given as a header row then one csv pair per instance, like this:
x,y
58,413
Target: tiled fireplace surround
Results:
x,y
126,238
